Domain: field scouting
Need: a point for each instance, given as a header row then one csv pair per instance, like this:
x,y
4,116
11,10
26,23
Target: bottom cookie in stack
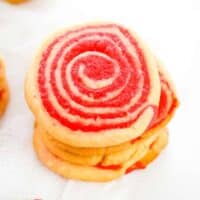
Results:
x,y
102,165
4,94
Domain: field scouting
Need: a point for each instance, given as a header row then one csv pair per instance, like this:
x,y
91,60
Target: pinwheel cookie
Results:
x,y
101,102
3,89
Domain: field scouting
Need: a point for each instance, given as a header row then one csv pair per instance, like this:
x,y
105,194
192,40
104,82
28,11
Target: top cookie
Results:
x,y
94,85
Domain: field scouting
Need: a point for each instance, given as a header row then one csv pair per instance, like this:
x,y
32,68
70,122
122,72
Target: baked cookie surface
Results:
x,y
94,85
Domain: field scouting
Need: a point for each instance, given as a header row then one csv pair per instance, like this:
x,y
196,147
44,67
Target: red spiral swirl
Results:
x,y
94,78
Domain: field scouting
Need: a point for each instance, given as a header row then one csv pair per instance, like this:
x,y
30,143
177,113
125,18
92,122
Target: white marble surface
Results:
x,y
172,29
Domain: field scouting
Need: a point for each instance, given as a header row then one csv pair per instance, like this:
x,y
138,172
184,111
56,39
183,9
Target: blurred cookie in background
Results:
x,y
4,92
16,1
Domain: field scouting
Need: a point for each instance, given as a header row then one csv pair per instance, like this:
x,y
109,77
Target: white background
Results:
x,y
172,30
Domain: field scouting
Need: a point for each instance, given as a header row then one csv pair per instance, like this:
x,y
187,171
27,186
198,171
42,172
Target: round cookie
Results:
x,y
88,173
95,85
4,94
167,106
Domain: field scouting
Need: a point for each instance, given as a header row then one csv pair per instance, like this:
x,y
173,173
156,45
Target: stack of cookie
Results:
x,y
101,102
4,94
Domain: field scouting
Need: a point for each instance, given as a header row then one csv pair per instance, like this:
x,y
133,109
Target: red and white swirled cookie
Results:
x,y
113,157
95,85
167,106
4,94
